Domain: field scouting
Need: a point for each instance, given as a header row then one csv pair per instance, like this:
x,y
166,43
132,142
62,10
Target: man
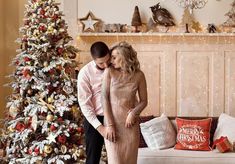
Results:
x,y
89,98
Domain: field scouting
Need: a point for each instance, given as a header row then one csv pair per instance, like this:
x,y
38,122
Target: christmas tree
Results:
x,y
231,14
44,120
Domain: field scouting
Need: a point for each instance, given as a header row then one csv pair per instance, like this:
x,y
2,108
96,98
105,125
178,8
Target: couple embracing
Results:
x,y
112,93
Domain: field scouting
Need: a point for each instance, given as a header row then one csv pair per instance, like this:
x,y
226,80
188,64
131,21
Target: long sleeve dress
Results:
x,y
122,96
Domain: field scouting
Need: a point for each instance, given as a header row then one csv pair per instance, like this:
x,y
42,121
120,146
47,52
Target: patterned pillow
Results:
x,y
193,134
158,133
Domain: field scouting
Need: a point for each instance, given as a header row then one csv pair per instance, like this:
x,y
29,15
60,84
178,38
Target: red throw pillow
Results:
x,y
193,134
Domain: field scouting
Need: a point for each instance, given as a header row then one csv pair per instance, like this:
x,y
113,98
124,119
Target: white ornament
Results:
x,y
34,122
51,138
68,89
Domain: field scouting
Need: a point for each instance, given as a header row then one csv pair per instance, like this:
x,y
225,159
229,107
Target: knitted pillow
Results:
x,y
142,120
225,127
158,133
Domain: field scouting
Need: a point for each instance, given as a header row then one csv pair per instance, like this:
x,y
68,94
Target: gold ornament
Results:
x,y
47,149
45,64
81,152
50,117
13,111
11,129
50,29
63,149
30,92
50,100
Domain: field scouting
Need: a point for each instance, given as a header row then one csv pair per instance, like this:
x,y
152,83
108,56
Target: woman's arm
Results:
x,y
108,115
143,100
143,96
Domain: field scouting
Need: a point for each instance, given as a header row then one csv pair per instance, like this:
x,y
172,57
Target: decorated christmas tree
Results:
x,y
44,120
231,16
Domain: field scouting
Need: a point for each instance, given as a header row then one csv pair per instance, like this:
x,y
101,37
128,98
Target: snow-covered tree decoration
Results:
x,y
44,120
231,16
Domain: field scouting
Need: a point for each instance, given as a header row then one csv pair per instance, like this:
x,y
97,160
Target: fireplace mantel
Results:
x,y
187,74
160,38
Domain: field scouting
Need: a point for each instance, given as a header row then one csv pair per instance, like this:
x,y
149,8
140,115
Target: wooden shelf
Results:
x,y
159,34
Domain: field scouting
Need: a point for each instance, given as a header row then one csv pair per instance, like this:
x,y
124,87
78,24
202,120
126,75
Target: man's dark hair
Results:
x,y
99,50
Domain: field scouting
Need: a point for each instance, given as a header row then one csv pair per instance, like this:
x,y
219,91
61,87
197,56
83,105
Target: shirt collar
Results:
x,y
95,68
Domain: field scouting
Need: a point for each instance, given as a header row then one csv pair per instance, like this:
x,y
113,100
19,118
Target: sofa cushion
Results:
x,y
225,127
158,133
143,119
193,134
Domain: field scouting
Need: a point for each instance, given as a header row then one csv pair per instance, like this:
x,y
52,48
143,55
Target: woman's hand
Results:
x,y
130,120
110,133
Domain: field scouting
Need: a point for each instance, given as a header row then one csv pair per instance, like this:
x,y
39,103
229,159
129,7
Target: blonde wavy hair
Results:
x,y
130,62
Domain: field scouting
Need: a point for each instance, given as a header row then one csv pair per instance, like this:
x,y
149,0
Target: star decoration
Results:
x,y
89,22
51,138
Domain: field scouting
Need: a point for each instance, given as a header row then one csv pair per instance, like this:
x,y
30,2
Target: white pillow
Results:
x,y
158,133
225,127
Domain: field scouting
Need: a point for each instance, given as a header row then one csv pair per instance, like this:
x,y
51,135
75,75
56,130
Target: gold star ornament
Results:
x,y
89,22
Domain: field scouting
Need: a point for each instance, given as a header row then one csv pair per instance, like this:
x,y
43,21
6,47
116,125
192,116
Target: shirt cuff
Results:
x,y
96,123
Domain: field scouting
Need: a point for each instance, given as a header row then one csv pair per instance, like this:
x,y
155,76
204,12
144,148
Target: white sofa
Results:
x,y
173,156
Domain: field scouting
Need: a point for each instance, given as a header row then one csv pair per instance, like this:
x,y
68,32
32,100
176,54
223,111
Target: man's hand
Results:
x,y
101,130
110,133
107,132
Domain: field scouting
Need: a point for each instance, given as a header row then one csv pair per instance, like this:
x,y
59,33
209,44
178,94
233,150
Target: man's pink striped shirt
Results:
x,y
89,92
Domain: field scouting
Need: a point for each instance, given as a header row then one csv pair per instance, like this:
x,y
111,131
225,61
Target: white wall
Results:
x,y
121,11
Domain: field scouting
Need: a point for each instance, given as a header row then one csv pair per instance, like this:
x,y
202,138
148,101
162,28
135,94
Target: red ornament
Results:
x,y
55,16
26,22
26,59
68,70
17,62
30,151
62,139
29,122
60,50
26,73
24,39
60,119
80,130
52,128
42,12
52,71
42,28
20,126
71,130
51,88
36,150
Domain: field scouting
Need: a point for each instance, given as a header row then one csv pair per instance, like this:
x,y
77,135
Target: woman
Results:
x,y
121,83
